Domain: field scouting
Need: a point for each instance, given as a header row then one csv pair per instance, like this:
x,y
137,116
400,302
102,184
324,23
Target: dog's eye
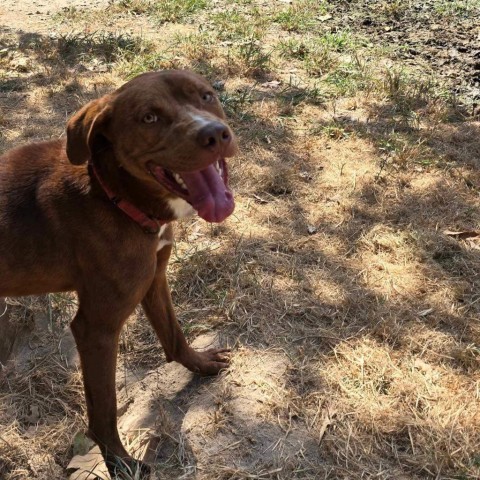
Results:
x,y
150,118
207,97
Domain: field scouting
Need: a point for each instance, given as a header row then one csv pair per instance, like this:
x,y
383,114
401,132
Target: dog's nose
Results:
x,y
214,135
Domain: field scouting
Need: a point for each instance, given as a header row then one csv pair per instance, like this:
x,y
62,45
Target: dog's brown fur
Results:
x,y
59,231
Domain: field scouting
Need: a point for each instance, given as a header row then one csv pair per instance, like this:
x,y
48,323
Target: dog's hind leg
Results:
x,y
96,329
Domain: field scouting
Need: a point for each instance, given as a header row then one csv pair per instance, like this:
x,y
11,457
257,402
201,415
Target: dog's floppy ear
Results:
x,y
84,127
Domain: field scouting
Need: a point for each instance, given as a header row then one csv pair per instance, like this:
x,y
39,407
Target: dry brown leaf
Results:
x,y
463,234
272,84
89,467
328,419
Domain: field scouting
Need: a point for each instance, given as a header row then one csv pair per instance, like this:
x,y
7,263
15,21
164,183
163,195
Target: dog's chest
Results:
x,y
162,241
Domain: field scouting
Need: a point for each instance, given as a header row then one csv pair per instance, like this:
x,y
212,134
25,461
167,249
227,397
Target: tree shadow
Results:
x,y
50,77
385,275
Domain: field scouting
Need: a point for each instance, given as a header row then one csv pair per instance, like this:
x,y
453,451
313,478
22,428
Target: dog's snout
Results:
x,y
214,135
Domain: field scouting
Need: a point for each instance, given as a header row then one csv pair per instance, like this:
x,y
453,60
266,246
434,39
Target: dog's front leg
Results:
x,y
158,307
96,334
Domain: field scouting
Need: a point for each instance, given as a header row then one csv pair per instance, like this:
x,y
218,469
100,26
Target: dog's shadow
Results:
x,y
153,405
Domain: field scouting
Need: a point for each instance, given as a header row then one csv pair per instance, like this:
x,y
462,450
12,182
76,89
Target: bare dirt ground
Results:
x,y
34,15
347,282
426,38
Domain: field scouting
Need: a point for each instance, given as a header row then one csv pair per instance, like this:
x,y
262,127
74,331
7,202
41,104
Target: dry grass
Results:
x,y
353,318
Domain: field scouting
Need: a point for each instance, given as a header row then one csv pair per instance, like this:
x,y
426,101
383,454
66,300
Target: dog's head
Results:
x,y
166,129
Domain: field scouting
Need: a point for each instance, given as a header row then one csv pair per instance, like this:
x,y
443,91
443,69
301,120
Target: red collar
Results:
x,y
146,222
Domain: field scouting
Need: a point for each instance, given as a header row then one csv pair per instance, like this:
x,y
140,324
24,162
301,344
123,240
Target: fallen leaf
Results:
x,y
88,467
324,18
272,84
463,234
81,444
328,419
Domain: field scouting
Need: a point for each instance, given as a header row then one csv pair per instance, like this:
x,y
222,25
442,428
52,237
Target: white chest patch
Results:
x,y
162,242
181,208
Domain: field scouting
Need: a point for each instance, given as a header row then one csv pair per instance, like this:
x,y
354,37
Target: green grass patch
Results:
x,y
302,15
320,60
236,103
108,46
408,91
340,41
296,93
129,67
320,54
401,150
73,47
293,48
254,58
350,77
235,25
194,46
457,7
333,129
161,11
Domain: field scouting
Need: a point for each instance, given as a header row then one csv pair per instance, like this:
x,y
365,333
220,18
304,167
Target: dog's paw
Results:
x,y
209,362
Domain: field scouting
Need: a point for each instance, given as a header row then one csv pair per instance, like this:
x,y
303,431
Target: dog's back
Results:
x,y
33,180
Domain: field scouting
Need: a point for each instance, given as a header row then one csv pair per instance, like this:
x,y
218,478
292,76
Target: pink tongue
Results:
x,y
208,194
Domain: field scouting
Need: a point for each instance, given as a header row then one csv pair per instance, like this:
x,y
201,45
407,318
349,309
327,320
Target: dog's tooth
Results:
x,y
181,182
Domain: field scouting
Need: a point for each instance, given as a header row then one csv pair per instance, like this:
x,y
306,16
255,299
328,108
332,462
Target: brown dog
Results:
x,y
155,151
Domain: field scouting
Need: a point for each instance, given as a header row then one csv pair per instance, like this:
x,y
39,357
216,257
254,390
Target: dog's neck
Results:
x,y
111,180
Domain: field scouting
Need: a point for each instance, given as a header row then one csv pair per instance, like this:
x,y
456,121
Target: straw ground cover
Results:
x,y
347,281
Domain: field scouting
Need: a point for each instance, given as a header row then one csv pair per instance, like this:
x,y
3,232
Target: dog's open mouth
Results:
x,y
205,190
